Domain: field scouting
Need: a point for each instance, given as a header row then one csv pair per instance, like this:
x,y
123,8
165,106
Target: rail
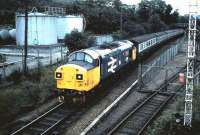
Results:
x,y
37,119
109,108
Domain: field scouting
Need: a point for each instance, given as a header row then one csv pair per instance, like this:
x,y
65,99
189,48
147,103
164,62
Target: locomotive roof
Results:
x,y
140,39
143,38
108,48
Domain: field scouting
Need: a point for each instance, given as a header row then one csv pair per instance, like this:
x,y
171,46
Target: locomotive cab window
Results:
x,y
88,59
72,57
80,56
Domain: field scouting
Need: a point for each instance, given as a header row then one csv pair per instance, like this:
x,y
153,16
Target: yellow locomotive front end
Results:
x,y
80,75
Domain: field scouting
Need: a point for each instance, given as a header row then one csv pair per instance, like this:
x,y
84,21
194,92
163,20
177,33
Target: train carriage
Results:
x,y
142,43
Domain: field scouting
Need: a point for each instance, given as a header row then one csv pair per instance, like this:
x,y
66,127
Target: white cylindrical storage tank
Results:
x,y
4,34
66,24
41,29
12,33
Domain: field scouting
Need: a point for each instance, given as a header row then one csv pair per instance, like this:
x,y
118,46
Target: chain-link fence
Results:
x,y
152,74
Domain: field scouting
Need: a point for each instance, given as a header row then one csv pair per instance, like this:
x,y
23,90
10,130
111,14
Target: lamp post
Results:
x,y
124,6
121,20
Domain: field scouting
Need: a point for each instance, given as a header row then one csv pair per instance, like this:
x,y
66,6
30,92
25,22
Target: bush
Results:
x,y
76,40
26,94
15,76
133,29
120,36
156,24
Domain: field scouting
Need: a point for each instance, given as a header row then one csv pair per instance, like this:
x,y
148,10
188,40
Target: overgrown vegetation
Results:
x,y
102,18
27,93
166,123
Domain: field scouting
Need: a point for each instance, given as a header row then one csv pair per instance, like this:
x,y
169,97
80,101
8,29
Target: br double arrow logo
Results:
x,y
112,65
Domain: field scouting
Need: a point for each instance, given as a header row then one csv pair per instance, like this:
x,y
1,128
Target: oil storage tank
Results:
x,y
41,29
12,33
4,34
66,24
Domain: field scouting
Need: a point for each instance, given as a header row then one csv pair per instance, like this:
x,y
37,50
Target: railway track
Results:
x,y
137,120
115,120
50,122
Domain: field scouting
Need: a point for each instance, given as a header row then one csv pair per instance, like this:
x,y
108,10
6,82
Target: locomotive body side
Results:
x,y
118,55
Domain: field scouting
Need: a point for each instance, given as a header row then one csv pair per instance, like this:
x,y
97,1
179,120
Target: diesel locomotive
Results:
x,y
87,68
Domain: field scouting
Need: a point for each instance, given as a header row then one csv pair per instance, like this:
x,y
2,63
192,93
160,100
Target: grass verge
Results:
x,y
26,93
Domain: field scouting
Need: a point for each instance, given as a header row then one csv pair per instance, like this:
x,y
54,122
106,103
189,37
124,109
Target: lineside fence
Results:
x,y
37,58
157,68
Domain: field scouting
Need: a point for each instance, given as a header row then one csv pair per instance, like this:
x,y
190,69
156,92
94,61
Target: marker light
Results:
x,y
58,75
79,77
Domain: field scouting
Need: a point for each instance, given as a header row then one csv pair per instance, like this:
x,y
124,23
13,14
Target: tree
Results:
x,y
158,7
144,10
167,14
156,23
76,40
133,29
175,16
117,4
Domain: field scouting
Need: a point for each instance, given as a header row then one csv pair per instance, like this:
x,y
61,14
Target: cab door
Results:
x,y
133,53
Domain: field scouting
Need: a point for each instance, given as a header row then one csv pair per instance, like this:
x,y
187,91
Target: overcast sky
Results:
x,y
181,5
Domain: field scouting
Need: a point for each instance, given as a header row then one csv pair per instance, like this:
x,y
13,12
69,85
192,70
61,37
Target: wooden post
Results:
x,y
26,36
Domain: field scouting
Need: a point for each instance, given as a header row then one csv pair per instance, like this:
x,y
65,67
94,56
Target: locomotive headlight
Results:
x,y
58,75
79,77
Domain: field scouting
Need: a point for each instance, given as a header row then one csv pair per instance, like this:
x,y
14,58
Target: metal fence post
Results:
x,y
61,54
4,70
50,55
166,78
197,78
38,60
22,59
140,75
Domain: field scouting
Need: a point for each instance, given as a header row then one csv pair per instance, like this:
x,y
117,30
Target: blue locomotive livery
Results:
x,y
87,68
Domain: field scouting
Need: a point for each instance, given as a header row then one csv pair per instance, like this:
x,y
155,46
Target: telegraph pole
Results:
x,y
191,55
121,20
26,36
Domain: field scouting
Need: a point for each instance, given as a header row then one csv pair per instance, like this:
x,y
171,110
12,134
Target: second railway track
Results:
x,y
135,122
137,117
